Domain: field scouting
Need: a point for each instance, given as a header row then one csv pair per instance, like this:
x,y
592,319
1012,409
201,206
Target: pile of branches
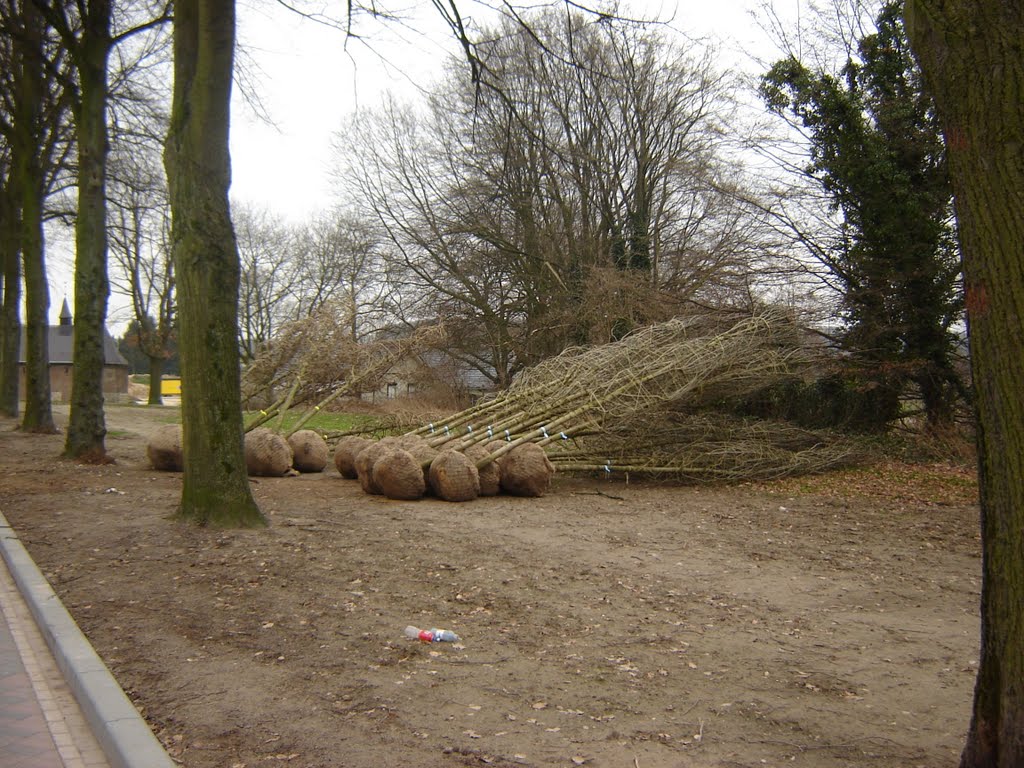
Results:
x,y
315,360
643,404
706,446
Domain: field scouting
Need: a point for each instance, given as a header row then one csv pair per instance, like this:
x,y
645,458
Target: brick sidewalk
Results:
x,y
41,725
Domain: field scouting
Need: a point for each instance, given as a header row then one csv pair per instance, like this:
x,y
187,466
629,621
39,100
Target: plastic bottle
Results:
x,y
431,635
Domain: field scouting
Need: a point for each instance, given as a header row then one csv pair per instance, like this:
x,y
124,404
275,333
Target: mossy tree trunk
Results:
x,y
29,183
10,317
216,487
972,55
86,426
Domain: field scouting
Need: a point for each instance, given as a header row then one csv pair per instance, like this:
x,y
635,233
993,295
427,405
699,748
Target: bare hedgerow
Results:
x,y
314,360
318,351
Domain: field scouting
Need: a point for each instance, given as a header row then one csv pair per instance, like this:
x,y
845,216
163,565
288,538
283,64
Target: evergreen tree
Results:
x,y
877,151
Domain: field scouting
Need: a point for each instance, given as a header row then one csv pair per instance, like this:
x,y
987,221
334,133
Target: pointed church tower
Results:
x,y
66,320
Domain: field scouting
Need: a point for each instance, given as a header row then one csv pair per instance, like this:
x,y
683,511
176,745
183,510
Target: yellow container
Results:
x,y
170,386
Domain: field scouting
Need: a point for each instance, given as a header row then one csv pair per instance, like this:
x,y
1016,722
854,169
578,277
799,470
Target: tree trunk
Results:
x,y
28,181
972,55
86,427
38,416
10,317
216,487
156,375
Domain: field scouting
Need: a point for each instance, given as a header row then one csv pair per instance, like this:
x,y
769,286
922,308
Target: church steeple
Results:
x,y
65,314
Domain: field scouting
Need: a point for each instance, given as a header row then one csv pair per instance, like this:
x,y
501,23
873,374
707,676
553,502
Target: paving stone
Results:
x,y
41,725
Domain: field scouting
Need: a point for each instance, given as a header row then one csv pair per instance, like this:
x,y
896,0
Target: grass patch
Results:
x,y
163,414
325,421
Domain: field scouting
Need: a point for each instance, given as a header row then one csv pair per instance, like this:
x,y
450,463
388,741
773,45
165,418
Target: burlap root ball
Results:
x,y
267,454
309,451
422,451
399,475
495,445
526,471
453,477
490,473
368,457
419,448
164,449
345,453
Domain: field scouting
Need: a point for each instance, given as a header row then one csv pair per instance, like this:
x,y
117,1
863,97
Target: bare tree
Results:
x,y
10,253
289,272
339,259
139,231
89,32
36,130
437,267
268,285
573,196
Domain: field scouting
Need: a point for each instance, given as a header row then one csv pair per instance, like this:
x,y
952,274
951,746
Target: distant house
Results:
x,y
60,347
428,371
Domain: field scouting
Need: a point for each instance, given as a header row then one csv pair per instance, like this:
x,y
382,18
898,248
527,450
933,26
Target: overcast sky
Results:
x,y
308,83
307,80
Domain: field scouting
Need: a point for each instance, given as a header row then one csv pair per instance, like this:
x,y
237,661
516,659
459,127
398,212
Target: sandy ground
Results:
x,y
825,622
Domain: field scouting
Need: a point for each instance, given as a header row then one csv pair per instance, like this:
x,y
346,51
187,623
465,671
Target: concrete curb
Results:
x,y
120,730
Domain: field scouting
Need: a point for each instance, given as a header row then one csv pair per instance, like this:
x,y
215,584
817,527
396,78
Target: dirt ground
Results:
x,y
815,622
